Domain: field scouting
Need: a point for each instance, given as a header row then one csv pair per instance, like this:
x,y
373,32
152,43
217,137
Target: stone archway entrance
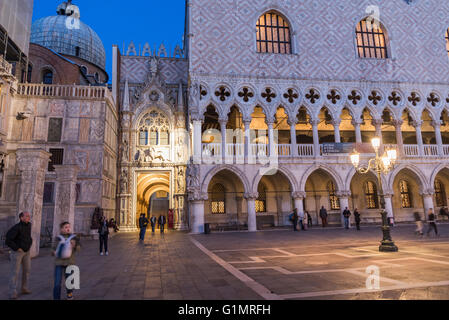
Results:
x,y
153,194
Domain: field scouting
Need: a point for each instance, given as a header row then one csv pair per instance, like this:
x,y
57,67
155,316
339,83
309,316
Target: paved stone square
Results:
x,y
272,264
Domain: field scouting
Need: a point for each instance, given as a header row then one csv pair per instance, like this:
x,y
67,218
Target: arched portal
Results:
x,y
225,205
321,191
407,186
365,196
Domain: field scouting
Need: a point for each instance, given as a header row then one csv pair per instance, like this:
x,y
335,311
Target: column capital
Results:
x,y
251,195
299,195
32,159
417,124
343,194
315,122
427,192
196,195
291,122
436,124
377,122
222,121
336,122
397,123
196,117
66,172
356,123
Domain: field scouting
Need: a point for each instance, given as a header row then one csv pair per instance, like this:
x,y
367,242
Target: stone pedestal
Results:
x,y
428,204
344,202
33,164
197,217
65,196
251,203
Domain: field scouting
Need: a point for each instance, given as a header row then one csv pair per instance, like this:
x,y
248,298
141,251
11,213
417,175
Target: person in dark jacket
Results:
x,y
309,219
143,223
323,216
295,219
19,240
357,218
162,221
103,231
346,215
153,221
432,223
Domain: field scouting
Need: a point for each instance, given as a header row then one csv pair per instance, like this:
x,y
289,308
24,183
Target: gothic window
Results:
x,y
47,77
54,130
56,158
440,194
447,41
261,201
406,201
218,204
371,39
154,129
371,195
333,199
273,34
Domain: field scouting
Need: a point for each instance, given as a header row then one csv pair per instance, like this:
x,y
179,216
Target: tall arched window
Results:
x,y
273,34
333,199
261,201
218,197
371,195
154,129
371,39
440,194
47,77
447,41
406,200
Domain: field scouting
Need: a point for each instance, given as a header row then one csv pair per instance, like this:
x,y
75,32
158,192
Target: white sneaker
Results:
x,y
107,253
101,253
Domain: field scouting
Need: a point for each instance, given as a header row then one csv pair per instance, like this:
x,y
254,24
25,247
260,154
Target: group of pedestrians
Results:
x,y
304,219
143,224
432,223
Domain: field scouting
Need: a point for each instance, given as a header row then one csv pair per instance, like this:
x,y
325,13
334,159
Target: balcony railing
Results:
x,y
259,150
411,150
211,149
283,150
431,150
235,150
306,150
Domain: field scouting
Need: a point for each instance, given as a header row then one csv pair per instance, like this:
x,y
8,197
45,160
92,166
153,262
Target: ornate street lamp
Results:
x,y
380,164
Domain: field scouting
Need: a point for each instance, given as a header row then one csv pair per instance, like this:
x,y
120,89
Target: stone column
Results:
x,y
197,141
65,196
223,139
437,126
389,205
271,142
248,156
358,133
399,140
251,203
417,125
298,198
344,202
377,123
293,144
316,137
33,164
428,203
197,216
336,124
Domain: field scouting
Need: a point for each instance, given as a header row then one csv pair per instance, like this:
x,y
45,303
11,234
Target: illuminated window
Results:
x,y
143,138
261,201
273,34
371,39
218,203
334,201
406,201
440,194
154,137
447,41
154,129
165,138
371,195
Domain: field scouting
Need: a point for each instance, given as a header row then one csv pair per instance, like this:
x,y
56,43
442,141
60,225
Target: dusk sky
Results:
x,y
118,21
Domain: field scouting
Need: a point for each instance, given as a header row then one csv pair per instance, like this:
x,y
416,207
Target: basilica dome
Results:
x,y
66,34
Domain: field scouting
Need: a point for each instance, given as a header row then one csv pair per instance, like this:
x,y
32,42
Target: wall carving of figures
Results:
x,y
180,180
124,148
124,181
150,154
193,176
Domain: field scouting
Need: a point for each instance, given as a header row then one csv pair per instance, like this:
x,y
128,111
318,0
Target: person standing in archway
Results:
x,y
162,221
153,221
323,216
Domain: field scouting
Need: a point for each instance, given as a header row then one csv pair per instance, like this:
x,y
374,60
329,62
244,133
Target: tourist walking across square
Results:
x,y
65,248
432,223
153,221
162,222
302,220
295,218
357,218
419,224
18,238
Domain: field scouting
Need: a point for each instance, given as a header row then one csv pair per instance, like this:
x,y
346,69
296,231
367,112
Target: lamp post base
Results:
x,y
388,246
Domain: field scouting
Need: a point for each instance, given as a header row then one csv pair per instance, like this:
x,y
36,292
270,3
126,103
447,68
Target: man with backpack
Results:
x,y
19,240
66,245
143,223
